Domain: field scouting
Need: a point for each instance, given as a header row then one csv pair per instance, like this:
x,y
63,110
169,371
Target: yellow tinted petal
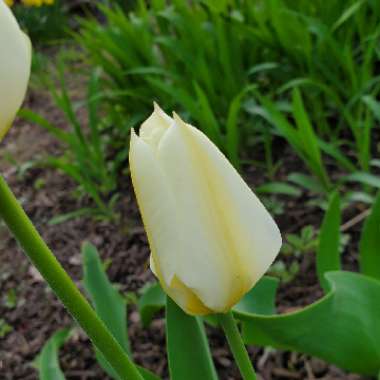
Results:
x,y
253,231
228,239
205,263
211,238
156,205
155,126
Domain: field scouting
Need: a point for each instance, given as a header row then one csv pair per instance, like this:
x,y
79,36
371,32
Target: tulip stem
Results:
x,y
63,286
238,349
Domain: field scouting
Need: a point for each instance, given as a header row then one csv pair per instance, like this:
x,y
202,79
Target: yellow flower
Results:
x,y
211,239
14,67
32,3
9,2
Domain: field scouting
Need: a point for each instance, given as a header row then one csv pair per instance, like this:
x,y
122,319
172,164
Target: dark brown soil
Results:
x,y
44,194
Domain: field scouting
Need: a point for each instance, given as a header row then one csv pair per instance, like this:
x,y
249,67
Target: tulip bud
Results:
x,y
211,239
15,64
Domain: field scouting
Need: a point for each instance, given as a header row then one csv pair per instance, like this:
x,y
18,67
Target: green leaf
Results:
x,y
334,152
188,351
306,181
349,12
341,328
307,136
207,115
85,211
232,131
147,374
5,328
151,301
108,303
260,299
39,120
47,361
373,105
328,256
369,246
279,188
260,67
364,178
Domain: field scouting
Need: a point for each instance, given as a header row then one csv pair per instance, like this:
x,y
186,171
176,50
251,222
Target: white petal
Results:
x,y
228,239
155,203
155,126
15,64
203,262
161,223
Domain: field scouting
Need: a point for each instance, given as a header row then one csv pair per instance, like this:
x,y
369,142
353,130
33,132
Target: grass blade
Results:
x,y
328,257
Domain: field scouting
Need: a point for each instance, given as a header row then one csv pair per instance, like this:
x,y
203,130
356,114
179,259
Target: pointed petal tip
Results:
x,y
156,107
177,120
134,137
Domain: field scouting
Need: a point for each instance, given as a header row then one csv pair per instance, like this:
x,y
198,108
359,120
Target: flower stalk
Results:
x,y
236,344
63,286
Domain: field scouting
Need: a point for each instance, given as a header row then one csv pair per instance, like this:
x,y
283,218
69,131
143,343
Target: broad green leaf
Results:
x,y
47,361
369,246
342,328
108,303
260,299
328,256
188,351
151,301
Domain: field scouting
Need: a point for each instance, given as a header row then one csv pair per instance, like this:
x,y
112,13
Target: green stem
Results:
x,y
62,285
237,346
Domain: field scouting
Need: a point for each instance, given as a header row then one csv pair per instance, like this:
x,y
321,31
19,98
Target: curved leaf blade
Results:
x,y
48,361
108,303
188,351
260,299
341,328
152,300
